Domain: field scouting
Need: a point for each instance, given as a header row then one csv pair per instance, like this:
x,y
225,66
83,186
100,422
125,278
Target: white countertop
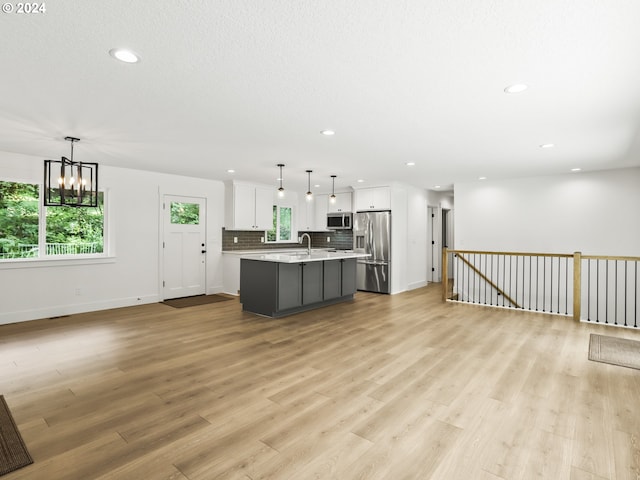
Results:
x,y
299,257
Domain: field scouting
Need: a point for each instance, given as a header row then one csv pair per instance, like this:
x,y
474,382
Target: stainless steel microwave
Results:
x,y
339,221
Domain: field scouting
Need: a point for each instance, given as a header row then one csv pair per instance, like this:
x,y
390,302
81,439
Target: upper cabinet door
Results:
x,y
377,198
250,207
306,215
342,203
244,207
263,208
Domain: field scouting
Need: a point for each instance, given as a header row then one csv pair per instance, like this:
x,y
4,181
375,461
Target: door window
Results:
x,y
185,213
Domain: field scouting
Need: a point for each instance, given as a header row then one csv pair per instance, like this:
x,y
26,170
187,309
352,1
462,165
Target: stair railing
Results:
x,y
603,288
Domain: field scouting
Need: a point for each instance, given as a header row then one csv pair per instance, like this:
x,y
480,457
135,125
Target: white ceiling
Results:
x,y
247,84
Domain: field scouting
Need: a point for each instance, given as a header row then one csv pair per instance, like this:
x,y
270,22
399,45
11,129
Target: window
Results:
x,y
30,230
282,224
185,213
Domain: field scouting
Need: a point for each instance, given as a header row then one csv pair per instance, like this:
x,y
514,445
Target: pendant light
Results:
x,y
69,183
309,194
332,198
281,190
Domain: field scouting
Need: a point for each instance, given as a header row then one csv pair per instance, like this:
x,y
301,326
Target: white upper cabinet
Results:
x,y
342,203
306,215
264,208
375,198
248,207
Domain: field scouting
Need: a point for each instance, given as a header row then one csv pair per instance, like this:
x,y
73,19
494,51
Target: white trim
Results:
x,y
60,310
55,261
414,285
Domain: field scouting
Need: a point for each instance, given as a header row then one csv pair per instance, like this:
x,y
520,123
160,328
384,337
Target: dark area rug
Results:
x,y
196,300
615,351
13,451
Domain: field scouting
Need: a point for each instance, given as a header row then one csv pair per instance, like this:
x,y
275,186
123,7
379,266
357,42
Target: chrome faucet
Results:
x,y
309,244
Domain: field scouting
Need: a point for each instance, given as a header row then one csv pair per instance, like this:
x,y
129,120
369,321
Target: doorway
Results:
x,y
183,246
440,222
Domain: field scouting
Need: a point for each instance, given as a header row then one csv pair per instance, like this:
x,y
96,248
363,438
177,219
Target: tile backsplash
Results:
x,y
249,240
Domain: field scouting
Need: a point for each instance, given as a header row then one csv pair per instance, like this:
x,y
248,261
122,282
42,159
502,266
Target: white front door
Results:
x,y
184,251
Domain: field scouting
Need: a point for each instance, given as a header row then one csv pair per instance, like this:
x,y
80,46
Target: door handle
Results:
x,y
204,251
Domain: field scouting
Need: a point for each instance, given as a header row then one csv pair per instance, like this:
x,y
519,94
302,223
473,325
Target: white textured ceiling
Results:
x,y
247,84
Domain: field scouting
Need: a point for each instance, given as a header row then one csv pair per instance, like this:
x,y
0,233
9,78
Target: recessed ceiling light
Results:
x,y
328,133
482,178
410,164
576,169
547,145
360,180
317,185
231,170
517,88
124,55
436,186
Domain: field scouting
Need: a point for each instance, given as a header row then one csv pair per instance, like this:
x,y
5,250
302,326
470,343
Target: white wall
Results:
x,y
417,238
408,238
596,213
440,199
132,273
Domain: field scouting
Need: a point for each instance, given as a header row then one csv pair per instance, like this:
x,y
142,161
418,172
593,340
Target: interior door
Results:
x,y
184,246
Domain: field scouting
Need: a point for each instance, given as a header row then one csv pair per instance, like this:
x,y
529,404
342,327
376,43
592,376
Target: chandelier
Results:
x,y
71,184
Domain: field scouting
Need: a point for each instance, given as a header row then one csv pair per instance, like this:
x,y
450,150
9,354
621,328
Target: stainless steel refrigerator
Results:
x,y
372,235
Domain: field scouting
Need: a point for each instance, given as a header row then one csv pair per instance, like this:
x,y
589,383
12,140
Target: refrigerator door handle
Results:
x,y
373,262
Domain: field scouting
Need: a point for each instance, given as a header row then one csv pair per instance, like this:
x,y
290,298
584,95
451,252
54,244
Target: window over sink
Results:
x,y
282,230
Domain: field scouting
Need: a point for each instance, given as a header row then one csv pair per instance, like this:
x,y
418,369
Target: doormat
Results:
x,y
615,351
196,300
13,451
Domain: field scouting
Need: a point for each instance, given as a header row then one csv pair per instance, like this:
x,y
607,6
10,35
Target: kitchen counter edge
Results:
x,y
303,257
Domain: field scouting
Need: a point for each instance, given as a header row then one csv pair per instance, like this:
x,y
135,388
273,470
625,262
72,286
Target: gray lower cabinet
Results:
x,y
339,278
276,289
348,270
311,282
299,284
289,283
332,279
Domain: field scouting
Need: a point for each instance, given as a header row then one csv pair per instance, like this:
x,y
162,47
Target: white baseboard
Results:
x,y
420,284
60,310
215,289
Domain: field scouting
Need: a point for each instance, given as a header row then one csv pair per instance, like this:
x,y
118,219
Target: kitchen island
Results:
x,y
279,284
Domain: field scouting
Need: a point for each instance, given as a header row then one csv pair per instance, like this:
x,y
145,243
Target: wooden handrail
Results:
x,y
555,255
605,257
515,254
485,278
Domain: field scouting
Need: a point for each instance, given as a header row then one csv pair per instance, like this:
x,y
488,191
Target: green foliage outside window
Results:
x,y
75,230
285,223
271,234
185,213
281,230
19,224
69,231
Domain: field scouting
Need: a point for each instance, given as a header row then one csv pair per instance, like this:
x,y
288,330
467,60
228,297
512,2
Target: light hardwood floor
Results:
x,y
384,387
